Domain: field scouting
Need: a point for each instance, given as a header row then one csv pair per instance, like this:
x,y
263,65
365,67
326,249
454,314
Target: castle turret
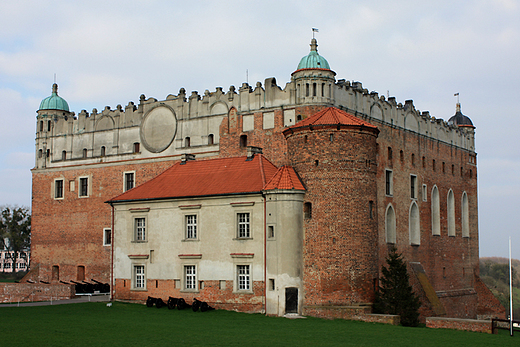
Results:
x,y
52,109
314,80
334,153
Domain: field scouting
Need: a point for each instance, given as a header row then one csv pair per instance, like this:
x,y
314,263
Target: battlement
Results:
x,y
194,120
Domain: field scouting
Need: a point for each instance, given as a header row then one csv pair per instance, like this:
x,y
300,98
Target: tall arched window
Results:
x,y
64,155
451,214
390,225
211,139
436,212
414,225
103,151
465,215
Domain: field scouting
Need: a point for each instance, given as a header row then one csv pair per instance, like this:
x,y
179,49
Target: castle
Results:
x,y
261,199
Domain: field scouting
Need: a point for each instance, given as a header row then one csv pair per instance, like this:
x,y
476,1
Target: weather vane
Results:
x,y
457,95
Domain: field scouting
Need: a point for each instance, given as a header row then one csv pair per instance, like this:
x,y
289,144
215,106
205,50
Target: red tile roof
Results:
x,y
221,176
332,116
285,178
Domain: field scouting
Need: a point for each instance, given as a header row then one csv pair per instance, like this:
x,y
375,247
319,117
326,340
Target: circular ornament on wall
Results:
x,y
158,128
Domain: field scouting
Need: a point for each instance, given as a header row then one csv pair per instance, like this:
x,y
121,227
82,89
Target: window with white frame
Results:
x,y
58,189
107,237
129,182
243,277
83,186
243,224
190,277
140,229
139,278
191,226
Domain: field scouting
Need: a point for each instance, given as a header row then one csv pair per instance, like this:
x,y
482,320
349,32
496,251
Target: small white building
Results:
x,y
228,231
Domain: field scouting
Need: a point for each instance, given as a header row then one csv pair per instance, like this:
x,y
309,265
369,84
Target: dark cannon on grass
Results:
x,y
158,302
202,305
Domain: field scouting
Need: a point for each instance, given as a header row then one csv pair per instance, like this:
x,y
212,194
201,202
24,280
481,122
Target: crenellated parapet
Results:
x,y
190,124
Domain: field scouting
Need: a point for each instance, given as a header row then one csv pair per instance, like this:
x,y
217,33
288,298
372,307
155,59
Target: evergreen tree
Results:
x,y
395,295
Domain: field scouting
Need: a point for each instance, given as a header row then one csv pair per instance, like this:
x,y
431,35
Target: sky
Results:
x,y
106,53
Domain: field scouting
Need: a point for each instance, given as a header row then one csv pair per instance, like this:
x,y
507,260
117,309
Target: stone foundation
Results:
x,y
482,326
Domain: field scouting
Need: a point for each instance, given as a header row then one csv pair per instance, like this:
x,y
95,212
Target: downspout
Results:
x,y
265,256
112,285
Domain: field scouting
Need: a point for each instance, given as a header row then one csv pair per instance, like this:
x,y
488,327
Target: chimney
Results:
x,y
187,157
252,150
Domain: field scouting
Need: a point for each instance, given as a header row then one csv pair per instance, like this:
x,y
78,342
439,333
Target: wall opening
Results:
x,y
80,276
291,300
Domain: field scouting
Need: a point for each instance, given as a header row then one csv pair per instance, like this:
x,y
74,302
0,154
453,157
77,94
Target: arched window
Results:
x,y
136,147
306,89
103,151
84,152
64,155
187,142
465,215
414,225
40,153
211,139
390,224
41,125
451,214
389,153
314,89
436,212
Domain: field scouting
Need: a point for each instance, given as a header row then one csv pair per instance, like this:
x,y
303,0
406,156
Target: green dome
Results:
x,y
313,60
54,102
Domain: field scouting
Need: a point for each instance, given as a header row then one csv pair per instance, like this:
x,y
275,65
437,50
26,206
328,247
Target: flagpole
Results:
x,y
510,292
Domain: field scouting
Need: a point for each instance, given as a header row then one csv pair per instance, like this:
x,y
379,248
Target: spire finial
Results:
x,y
55,88
458,102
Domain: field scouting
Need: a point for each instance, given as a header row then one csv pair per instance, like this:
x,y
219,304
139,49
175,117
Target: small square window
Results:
x,y
107,237
58,189
243,277
244,228
139,278
191,226
190,277
83,187
140,229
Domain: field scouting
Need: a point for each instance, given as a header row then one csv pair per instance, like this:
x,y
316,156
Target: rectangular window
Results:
x,y
190,277
244,230
107,237
389,183
140,229
191,226
58,189
244,280
139,277
129,180
83,186
413,186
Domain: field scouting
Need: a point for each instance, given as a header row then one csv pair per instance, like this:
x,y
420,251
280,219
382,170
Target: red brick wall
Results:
x,y
482,326
340,246
69,233
449,261
26,292
211,293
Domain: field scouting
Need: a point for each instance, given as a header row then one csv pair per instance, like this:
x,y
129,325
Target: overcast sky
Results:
x,y
106,53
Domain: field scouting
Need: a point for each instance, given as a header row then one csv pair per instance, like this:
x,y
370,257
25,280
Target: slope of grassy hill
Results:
x,y
494,271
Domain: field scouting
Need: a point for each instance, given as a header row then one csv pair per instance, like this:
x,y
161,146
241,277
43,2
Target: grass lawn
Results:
x,y
92,324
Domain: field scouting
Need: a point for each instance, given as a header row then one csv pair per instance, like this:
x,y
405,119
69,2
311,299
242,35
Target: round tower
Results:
x,y
52,109
334,153
313,79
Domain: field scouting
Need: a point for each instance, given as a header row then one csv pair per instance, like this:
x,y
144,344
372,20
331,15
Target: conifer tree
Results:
x,y
395,295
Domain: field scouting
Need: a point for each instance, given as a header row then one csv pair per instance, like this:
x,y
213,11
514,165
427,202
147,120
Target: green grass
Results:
x,y
123,324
